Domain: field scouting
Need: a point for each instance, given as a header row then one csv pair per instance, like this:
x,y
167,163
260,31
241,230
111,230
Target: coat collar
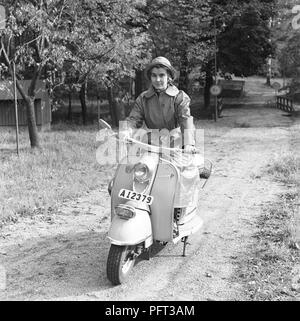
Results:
x,y
171,91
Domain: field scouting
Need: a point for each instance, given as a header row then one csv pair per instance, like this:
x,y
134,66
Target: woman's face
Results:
x,y
159,78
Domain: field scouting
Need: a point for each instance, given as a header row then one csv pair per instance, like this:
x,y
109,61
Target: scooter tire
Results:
x,y
119,264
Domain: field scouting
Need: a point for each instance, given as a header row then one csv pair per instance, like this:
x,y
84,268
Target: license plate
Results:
x,y
131,195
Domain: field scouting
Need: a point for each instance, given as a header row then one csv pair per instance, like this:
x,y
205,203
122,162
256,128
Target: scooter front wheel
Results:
x,y
120,261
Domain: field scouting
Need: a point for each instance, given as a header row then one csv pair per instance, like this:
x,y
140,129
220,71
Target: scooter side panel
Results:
x,y
123,179
132,231
162,209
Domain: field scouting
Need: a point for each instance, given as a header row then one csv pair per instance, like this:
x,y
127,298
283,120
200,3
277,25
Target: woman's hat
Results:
x,y
162,61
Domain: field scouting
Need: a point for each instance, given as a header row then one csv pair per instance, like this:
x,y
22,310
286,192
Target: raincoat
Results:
x,y
168,109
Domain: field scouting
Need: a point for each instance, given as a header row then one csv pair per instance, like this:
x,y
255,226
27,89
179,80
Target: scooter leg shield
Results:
x,y
130,231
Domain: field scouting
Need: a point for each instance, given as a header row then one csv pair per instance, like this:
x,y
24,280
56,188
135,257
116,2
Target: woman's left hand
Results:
x,y
190,149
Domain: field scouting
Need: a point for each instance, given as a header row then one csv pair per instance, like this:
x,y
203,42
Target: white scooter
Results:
x,y
152,199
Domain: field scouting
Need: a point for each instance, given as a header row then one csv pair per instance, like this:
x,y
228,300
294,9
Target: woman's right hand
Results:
x,y
125,134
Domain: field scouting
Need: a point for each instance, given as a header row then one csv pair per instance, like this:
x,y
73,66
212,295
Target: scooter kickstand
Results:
x,y
185,243
148,253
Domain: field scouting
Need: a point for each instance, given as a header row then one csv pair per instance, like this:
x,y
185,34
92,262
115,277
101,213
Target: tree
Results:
x,y
31,39
93,35
178,30
112,49
184,31
286,37
289,60
245,43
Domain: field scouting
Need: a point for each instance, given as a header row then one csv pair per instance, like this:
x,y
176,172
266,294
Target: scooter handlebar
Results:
x,y
158,149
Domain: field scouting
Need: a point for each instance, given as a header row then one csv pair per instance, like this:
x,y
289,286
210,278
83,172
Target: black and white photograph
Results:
x,y
150,153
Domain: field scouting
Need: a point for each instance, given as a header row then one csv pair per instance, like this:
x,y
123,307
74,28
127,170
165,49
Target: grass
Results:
x,y
285,168
269,270
37,181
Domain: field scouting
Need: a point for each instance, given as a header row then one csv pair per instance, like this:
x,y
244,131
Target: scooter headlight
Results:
x,y
125,211
141,173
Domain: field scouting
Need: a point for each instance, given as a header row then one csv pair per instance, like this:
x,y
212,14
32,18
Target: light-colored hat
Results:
x,y
163,62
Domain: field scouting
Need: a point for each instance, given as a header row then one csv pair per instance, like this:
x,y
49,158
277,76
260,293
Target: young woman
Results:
x,y
163,105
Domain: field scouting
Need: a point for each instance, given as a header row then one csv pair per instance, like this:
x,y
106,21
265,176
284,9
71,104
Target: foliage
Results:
x,y
75,40
177,28
91,35
245,43
103,46
288,44
106,40
289,56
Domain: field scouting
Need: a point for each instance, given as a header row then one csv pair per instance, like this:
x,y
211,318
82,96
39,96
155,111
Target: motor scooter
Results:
x,y
149,204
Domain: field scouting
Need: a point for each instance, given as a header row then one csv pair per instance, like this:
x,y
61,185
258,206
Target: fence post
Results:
x,y
220,106
284,103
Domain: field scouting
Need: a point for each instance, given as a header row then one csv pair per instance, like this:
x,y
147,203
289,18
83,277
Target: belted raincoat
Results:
x,y
168,109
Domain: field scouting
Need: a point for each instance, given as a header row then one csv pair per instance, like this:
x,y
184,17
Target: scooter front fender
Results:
x,y
131,231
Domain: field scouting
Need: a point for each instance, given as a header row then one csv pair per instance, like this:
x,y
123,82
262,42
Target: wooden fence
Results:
x,y
284,103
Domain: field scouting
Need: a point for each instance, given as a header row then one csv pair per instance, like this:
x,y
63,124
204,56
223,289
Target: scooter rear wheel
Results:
x,y
119,263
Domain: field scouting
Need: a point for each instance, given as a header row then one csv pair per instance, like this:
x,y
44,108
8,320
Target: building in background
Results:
x,y
42,105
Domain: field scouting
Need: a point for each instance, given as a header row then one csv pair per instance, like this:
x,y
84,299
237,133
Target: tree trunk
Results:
x,y
120,106
31,121
69,117
29,100
138,83
112,107
183,78
32,128
269,72
208,83
82,97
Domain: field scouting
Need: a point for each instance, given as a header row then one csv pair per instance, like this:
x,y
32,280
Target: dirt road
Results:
x,y
63,256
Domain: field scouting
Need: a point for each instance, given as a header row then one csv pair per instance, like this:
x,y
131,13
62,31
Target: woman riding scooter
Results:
x,y
154,197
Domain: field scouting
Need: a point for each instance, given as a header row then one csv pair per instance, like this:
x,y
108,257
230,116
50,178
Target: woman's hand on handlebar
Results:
x,y
124,134
191,149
